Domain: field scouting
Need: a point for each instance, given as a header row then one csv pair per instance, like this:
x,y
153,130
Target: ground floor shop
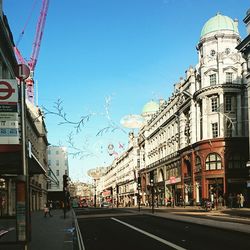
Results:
x,y
209,170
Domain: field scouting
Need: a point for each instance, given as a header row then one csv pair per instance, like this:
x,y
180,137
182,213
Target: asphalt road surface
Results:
x,y
118,229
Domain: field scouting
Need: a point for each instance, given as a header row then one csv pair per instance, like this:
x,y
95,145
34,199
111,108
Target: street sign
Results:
x,y
22,72
9,121
8,91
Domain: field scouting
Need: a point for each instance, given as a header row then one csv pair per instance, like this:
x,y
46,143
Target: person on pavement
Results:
x,y
242,200
47,209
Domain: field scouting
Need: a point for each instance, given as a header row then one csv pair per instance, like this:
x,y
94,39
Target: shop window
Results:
x,y
213,162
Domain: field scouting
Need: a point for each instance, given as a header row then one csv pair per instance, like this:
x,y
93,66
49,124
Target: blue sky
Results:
x,y
133,51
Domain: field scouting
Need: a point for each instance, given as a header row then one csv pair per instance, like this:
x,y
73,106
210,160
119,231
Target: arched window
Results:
x,y
197,164
213,162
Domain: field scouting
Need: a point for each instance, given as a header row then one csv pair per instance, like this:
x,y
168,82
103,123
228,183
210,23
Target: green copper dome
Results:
x,y
150,107
219,22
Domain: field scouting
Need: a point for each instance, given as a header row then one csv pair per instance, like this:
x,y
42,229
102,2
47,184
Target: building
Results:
x,y
10,137
118,184
36,133
244,48
194,146
58,166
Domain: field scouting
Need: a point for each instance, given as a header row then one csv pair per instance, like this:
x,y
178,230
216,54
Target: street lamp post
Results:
x,y
96,174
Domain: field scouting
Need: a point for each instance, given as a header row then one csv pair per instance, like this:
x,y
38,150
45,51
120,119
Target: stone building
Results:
x,y
10,135
244,48
58,166
194,146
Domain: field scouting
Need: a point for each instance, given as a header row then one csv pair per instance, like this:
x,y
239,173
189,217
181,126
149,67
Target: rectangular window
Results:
x,y
215,129
212,79
228,103
57,152
57,172
214,104
57,162
229,77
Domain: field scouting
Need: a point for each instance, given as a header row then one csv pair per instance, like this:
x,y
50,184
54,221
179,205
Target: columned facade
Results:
x,y
244,48
194,146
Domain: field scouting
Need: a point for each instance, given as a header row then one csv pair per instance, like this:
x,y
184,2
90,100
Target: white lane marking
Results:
x,y
78,233
150,235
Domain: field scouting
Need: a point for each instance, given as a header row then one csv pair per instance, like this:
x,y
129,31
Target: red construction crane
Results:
x,y
35,50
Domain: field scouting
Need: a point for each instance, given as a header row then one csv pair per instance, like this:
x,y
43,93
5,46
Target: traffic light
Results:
x,y
65,182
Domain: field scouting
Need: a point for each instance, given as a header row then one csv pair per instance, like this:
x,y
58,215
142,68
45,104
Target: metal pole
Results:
x,y
139,202
24,162
95,194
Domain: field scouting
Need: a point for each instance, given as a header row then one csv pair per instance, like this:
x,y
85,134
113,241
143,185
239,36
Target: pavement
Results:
x,y
57,233
52,233
235,219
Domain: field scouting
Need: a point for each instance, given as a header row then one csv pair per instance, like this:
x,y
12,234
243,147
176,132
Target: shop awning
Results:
x,y
35,167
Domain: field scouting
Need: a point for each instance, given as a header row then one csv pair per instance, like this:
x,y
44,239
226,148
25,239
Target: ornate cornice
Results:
x,y
218,87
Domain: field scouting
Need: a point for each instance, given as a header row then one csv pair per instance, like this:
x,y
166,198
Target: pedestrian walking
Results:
x,y
238,200
230,200
50,208
47,210
220,201
242,200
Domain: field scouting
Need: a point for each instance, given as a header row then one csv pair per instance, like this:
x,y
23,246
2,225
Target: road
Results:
x,y
121,229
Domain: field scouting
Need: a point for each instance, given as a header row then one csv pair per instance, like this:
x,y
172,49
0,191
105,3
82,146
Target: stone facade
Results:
x,y
195,146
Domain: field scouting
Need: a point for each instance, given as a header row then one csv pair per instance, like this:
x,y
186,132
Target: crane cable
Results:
x,y
26,23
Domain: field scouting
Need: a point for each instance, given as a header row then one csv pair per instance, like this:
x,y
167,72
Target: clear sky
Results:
x,y
128,51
